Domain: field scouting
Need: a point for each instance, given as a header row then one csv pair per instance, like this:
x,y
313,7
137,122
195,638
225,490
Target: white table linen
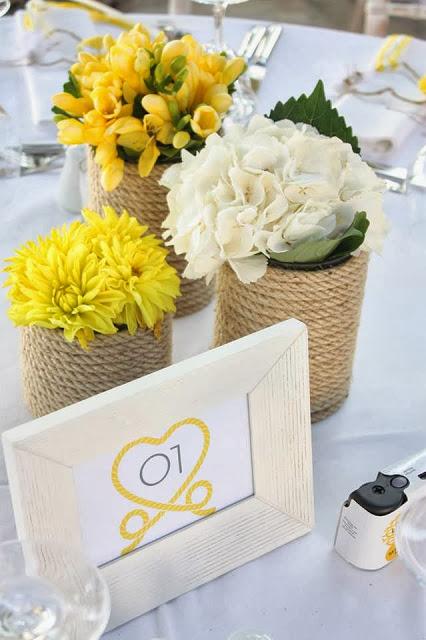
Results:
x,y
302,591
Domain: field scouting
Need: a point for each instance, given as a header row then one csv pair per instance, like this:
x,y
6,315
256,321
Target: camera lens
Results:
x,y
399,482
377,488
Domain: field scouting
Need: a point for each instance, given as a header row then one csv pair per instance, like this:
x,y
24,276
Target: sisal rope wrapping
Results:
x,y
146,199
328,301
57,373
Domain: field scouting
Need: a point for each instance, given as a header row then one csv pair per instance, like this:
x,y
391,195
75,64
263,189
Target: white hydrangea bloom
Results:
x,y
266,188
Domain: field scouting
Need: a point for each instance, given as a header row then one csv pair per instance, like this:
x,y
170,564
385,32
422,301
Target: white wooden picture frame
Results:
x,y
271,368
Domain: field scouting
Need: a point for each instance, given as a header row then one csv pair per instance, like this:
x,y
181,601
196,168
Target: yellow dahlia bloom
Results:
x,y
103,228
139,270
63,290
92,277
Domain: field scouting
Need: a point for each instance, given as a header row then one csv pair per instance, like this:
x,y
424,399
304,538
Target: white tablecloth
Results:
x,y
303,591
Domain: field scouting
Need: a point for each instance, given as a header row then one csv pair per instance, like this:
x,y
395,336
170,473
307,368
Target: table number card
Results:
x,y
180,476
152,486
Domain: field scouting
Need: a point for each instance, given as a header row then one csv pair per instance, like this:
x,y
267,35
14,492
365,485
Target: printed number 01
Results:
x,y
163,456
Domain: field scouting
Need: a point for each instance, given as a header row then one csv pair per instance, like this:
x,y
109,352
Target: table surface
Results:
x,y
303,590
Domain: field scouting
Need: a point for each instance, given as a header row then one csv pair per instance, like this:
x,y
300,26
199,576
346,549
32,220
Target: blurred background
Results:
x,y
334,14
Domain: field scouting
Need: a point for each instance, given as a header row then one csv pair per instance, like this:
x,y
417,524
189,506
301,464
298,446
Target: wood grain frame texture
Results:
x,y
271,367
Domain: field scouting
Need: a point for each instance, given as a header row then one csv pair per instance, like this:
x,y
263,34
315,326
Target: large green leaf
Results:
x,y
317,111
316,251
72,86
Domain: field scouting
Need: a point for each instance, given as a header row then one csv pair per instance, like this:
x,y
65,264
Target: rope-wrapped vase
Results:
x,y
327,300
57,373
146,199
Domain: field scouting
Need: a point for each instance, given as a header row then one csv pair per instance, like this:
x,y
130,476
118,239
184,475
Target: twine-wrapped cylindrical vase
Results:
x,y
327,300
57,373
146,199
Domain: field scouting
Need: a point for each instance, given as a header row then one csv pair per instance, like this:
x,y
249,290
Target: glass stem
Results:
x,y
219,10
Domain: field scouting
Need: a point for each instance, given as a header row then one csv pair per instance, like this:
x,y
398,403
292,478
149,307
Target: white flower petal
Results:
x,y
249,269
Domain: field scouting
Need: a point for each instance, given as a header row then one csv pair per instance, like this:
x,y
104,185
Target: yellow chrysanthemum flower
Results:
x,y
104,228
68,291
92,277
139,270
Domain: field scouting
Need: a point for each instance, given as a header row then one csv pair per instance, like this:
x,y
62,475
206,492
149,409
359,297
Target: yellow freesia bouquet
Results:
x,y
93,277
138,99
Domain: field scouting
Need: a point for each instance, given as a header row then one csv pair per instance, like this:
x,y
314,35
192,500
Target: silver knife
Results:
x,y
258,64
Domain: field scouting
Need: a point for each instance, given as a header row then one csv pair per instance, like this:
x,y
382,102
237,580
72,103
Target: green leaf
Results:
x,y
316,251
317,111
60,112
72,86
169,152
131,153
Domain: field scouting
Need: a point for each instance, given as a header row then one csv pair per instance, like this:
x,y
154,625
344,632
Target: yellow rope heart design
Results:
x,y
163,507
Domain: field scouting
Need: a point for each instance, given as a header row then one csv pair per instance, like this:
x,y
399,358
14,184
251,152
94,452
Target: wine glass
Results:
x,y
410,539
48,592
4,7
10,158
244,100
7,522
219,10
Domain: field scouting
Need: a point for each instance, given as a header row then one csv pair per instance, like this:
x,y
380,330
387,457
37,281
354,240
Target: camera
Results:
x,y
365,534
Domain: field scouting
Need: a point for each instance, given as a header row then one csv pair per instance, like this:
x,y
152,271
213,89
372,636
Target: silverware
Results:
x,y
258,62
395,178
36,158
171,31
251,41
43,148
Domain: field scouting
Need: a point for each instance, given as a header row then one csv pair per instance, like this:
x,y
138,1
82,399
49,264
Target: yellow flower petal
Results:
x,y
70,104
112,174
234,68
106,152
205,121
181,139
95,42
127,124
166,133
121,59
129,93
136,140
217,96
70,131
156,105
152,124
105,102
148,158
172,50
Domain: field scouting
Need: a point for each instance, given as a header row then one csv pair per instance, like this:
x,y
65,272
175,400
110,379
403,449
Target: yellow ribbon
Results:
x,y
391,51
198,508
95,15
